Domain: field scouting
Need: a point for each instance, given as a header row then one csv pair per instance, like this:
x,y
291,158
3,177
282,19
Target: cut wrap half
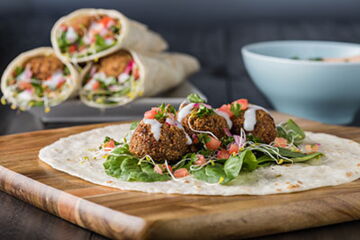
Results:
x,y
125,75
38,78
88,34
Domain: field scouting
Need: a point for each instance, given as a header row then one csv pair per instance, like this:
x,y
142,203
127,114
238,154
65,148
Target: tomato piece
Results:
x,y
108,146
226,108
72,48
60,84
151,113
213,144
280,142
137,73
243,102
233,148
95,85
105,21
164,167
181,172
222,154
200,160
25,85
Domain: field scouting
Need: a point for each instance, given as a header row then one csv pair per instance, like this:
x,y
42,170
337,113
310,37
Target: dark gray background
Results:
x,y
213,31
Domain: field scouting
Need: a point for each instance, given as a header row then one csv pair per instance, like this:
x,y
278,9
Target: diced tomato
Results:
x,y
105,21
243,102
311,148
213,144
181,172
158,169
108,146
200,160
137,73
280,142
25,85
169,167
95,85
72,48
233,148
226,108
151,113
222,154
59,85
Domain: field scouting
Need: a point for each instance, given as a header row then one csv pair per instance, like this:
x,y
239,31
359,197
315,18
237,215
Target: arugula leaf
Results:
x,y
288,153
19,70
66,71
39,91
204,138
249,160
227,140
307,157
195,98
134,125
123,165
233,165
291,131
100,43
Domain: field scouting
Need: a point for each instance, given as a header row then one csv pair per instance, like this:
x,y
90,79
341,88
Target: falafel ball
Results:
x,y
213,123
115,64
171,146
264,129
43,67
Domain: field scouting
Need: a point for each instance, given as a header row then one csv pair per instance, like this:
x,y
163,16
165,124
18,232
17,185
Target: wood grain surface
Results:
x,y
135,215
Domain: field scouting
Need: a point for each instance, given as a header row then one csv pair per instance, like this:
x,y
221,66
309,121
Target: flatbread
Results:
x,y
158,72
341,165
74,83
133,35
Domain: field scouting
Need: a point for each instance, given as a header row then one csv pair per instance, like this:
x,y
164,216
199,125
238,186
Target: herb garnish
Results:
x,y
203,111
195,98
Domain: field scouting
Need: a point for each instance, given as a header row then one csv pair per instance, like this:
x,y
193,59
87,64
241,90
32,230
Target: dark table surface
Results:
x,y
223,78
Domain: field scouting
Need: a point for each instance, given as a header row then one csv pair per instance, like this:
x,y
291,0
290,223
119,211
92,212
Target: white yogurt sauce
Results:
x,y
184,111
227,118
155,127
250,117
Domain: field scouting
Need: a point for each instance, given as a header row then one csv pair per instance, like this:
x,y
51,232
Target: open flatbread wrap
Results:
x,y
38,78
75,155
88,34
127,74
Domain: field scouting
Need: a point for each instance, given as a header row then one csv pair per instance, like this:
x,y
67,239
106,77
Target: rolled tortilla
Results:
x,y
132,35
23,91
157,72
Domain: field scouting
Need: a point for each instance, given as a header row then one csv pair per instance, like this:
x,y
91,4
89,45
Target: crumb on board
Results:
x,y
293,186
300,182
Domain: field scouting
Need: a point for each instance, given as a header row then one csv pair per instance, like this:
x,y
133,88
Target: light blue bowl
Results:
x,y
321,91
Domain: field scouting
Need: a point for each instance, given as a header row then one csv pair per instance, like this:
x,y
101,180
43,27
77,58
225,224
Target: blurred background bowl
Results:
x,y
323,91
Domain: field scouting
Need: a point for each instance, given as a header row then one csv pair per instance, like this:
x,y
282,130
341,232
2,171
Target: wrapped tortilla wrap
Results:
x,y
88,34
38,78
125,75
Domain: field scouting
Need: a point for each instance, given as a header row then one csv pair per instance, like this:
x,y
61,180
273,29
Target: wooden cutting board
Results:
x,y
135,215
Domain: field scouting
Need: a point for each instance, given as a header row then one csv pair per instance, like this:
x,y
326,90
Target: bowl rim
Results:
x,y
246,51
